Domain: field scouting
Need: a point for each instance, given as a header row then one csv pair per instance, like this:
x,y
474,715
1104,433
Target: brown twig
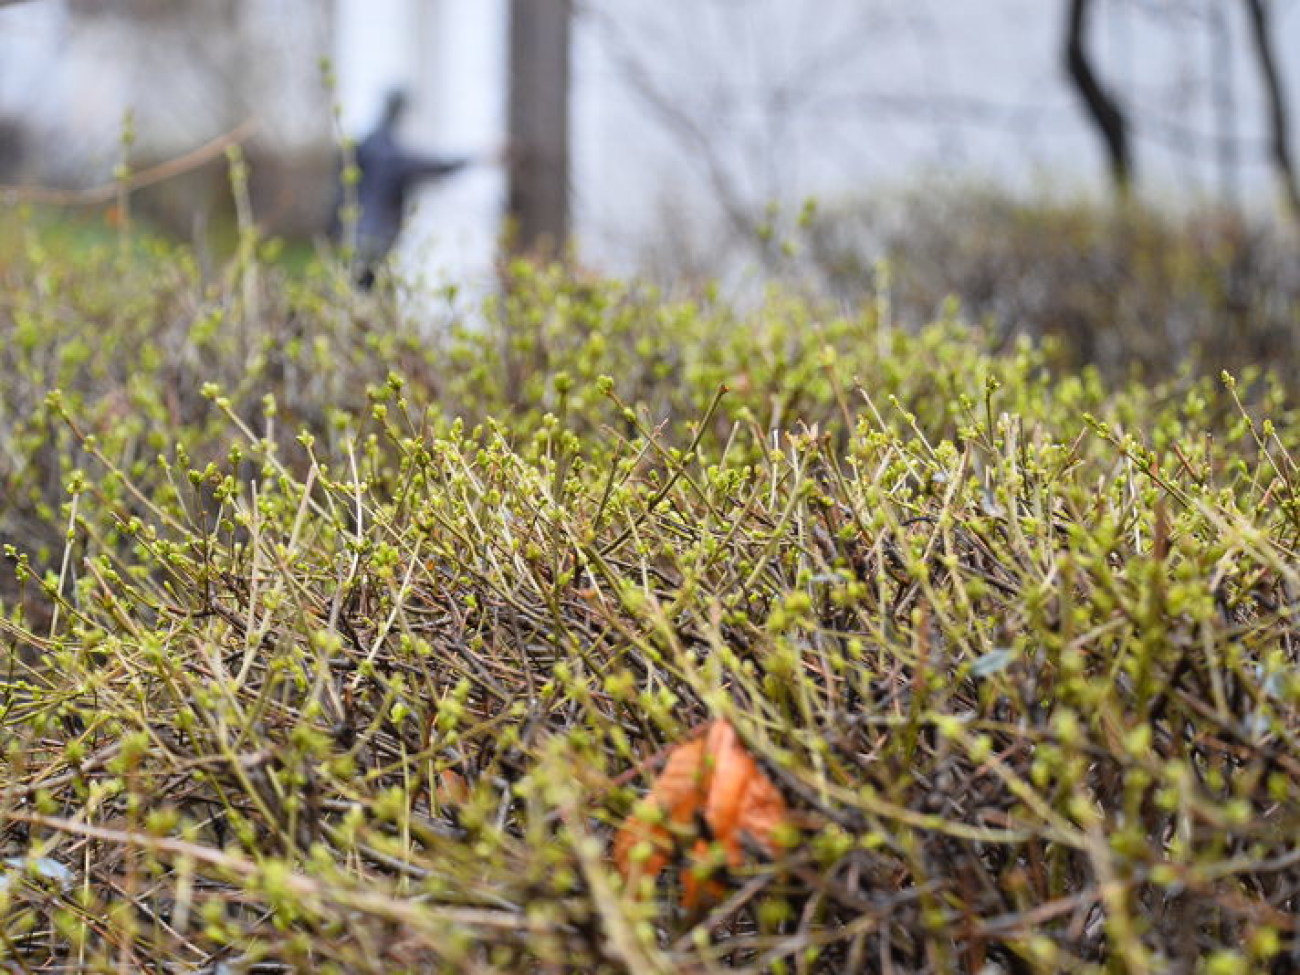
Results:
x,y
105,193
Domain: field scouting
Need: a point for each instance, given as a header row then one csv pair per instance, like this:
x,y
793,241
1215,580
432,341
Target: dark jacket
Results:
x,y
388,175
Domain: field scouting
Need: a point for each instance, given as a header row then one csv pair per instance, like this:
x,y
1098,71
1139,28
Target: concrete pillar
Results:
x,y
375,50
459,100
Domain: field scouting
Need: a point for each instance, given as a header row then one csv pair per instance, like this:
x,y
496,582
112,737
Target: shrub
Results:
x,y
1140,292
344,642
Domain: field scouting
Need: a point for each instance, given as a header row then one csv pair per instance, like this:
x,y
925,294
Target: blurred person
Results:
x,y
389,173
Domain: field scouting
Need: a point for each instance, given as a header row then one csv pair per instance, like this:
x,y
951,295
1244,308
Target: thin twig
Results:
x,y
97,195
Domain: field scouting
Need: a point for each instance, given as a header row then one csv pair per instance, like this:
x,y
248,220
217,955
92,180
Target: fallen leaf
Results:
x,y
679,791
452,789
742,801
713,779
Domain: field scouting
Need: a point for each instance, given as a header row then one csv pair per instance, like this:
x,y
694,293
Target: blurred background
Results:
x,y
741,140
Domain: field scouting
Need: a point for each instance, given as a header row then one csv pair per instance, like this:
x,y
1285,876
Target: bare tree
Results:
x,y
1104,111
1259,14
538,195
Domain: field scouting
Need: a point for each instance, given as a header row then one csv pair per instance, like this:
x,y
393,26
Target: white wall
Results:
x,y
448,55
461,112
184,80
841,98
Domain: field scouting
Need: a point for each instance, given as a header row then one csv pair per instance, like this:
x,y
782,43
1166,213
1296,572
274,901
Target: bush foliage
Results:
x,y
343,640
1134,290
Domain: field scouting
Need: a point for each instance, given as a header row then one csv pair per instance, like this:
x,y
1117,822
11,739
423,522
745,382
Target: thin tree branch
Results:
x,y
97,195
690,132
1103,109
1278,121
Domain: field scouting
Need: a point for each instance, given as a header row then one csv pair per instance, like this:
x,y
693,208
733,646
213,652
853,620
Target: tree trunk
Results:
x,y
1278,122
538,195
1105,113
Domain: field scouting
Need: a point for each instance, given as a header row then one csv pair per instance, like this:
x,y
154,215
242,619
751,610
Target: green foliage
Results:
x,y
342,640
1138,291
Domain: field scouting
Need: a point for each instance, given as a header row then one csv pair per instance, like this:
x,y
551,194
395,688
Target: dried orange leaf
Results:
x,y
713,776
697,890
741,799
452,789
678,792
732,770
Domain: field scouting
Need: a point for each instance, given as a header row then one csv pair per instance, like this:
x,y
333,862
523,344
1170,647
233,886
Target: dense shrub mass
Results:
x,y
342,641
1134,290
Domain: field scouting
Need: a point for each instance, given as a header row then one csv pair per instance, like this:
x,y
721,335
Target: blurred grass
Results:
x,y
64,230
80,232
286,566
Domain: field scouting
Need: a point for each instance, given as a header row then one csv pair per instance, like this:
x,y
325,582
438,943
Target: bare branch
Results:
x,y
146,177
1105,112
677,119
1279,123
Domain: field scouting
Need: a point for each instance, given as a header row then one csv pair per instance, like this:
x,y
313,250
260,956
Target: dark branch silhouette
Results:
x,y
105,193
1102,108
1278,121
